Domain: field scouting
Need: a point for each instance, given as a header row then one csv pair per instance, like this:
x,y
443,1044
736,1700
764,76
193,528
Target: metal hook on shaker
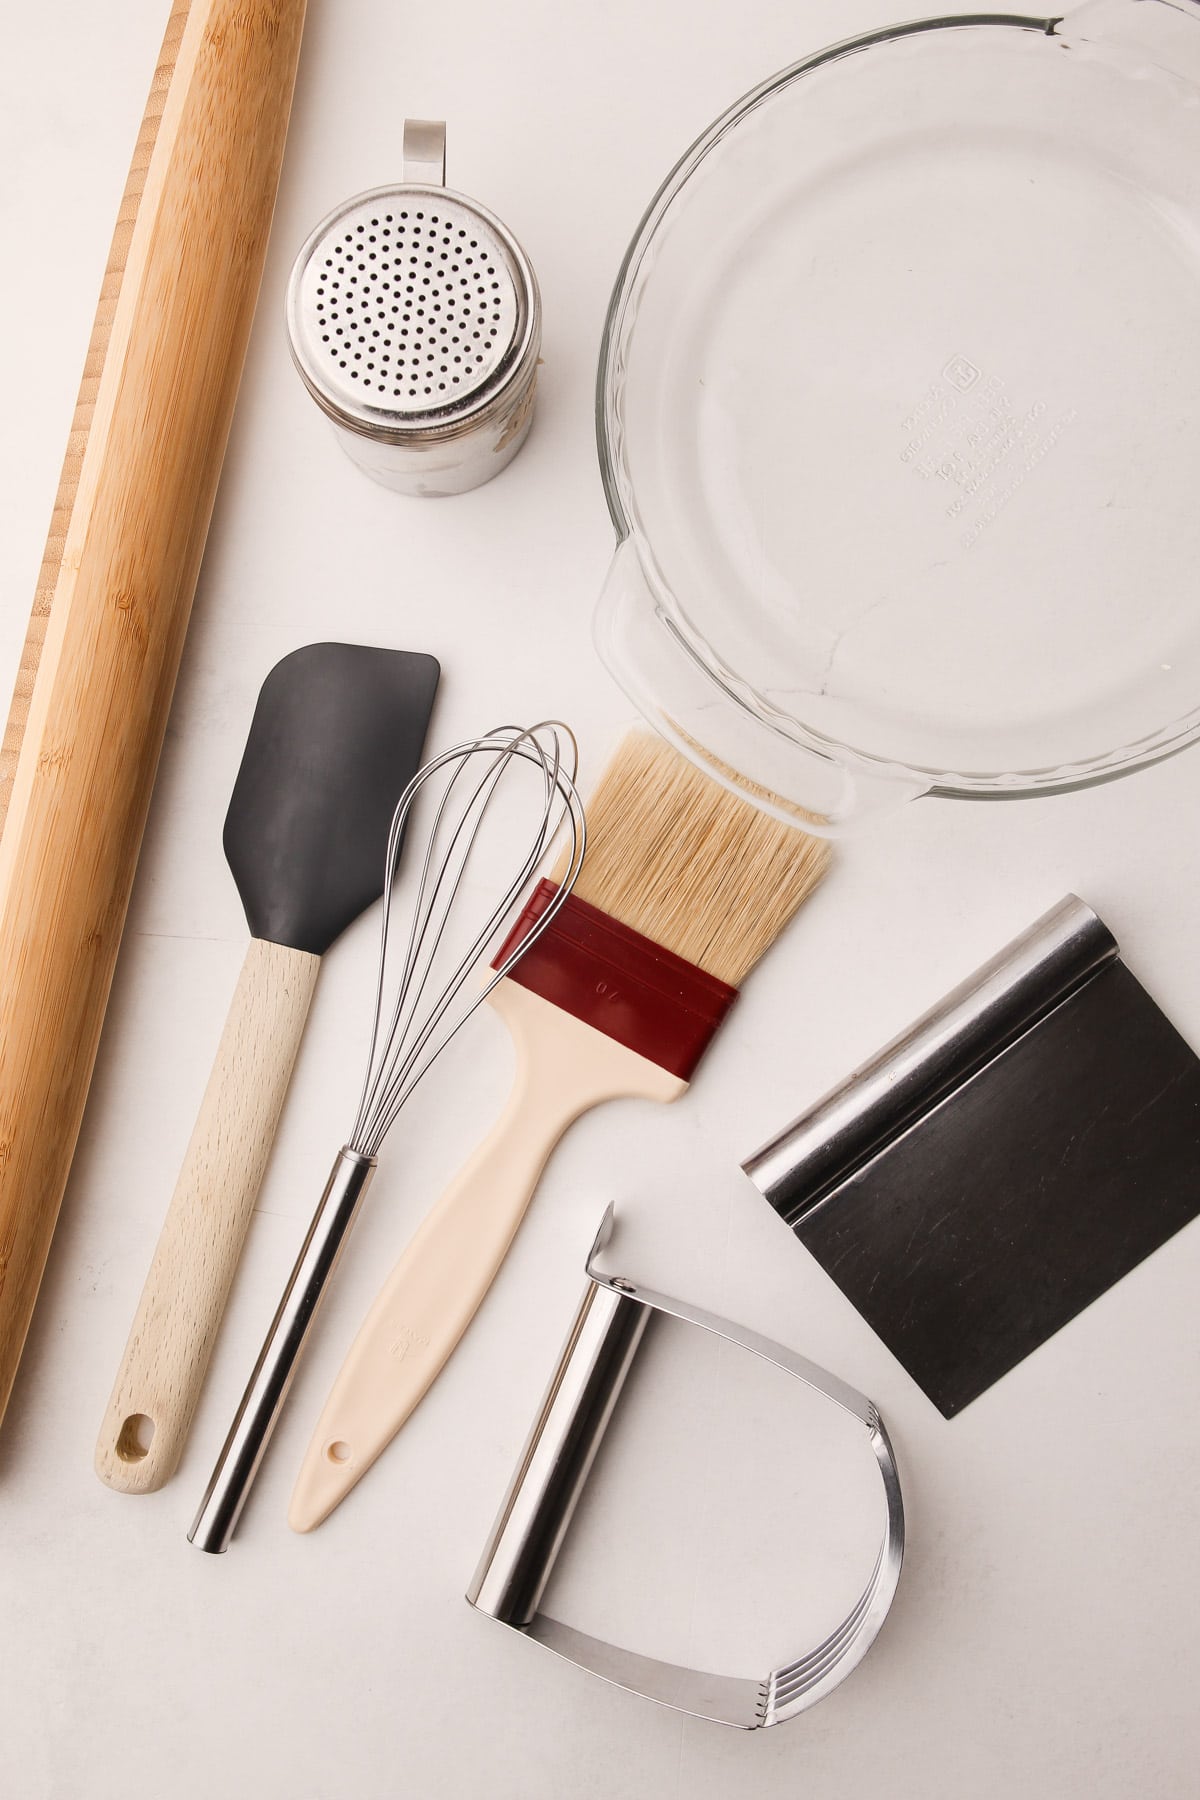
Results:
x,y
425,152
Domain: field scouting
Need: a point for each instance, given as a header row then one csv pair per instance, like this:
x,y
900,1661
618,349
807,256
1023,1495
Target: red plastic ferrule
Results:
x,y
618,981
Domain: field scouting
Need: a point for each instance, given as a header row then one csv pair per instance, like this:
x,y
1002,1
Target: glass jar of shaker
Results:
x,y
415,323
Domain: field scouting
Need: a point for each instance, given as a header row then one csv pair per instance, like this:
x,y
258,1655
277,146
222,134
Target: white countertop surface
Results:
x,y
1043,1637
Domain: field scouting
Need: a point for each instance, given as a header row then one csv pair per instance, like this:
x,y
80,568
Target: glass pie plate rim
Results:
x,y
909,778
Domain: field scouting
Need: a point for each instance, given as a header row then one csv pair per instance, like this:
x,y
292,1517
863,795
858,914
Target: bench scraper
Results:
x,y
336,736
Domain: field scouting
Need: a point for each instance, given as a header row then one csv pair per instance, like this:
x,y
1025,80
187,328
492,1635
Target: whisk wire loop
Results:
x,y
429,1009
430,912
428,927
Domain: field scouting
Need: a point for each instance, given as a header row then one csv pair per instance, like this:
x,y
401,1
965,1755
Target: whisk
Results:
x,y
437,988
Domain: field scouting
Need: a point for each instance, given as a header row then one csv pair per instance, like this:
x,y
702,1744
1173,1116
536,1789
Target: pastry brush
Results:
x,y
684,886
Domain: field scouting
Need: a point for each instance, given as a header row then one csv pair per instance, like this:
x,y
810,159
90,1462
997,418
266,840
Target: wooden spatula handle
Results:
x,y
130,558
165,1361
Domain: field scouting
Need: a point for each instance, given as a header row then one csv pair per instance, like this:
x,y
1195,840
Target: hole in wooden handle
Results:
x,y
135,1437
338,1452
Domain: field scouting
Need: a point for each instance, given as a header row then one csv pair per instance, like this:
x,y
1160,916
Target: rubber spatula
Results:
x,y
336,736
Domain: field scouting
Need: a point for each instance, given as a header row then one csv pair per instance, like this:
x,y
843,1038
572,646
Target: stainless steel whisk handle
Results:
x,y
268,1386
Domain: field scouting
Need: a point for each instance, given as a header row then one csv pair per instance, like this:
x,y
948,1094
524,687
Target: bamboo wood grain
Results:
x,y
85,405
129,563
171,1339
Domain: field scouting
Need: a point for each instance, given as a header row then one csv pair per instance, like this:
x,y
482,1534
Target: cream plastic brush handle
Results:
x,y
162,1371
564,1067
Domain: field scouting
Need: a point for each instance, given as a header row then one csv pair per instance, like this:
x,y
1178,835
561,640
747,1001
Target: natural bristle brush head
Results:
x,y
689,864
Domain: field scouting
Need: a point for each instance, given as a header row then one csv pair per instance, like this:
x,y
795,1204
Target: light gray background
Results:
x,y
1043,1637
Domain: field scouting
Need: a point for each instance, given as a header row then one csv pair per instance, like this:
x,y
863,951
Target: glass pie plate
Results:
x,y
899,417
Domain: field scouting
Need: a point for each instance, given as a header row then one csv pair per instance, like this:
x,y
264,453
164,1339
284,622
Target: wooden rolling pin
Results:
x,y
121,564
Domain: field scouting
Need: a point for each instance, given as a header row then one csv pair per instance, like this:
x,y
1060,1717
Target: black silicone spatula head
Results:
x,y
336,736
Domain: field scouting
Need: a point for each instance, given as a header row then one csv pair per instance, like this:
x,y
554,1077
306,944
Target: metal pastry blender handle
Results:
x,y
553,1469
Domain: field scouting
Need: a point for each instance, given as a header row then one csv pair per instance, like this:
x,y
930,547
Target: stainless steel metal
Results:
x,y
554,1467
1000,1166
971,1025
267,1390
437,988
415,323
426,1015
425,152
533,1521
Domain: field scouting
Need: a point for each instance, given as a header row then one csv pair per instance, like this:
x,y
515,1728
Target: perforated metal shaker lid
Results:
x,y
412,311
